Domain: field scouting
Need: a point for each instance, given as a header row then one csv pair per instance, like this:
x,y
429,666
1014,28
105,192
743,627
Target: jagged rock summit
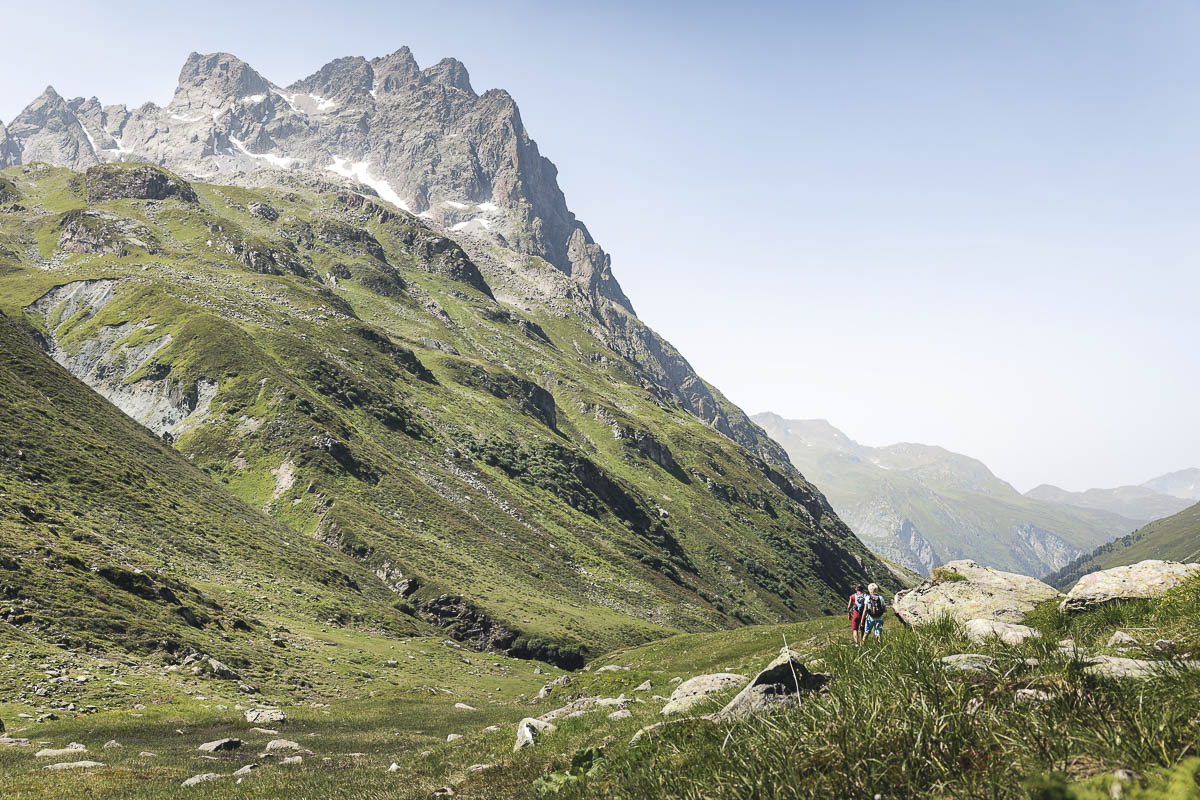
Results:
x,y
421,139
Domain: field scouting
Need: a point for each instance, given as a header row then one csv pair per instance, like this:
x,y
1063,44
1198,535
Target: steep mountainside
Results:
x,y
347,369
110,542
1175,538
421,139
1133,502
922,506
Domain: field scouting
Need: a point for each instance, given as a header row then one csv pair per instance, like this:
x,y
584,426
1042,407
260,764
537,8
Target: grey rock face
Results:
x,y
984,594
142,182
48,130
1150,578
530,731
694,690
423,140
778,684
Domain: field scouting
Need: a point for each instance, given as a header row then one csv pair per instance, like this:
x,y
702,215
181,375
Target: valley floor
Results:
x,y
892,722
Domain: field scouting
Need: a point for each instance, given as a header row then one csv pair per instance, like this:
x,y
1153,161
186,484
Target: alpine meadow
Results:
x,y
335,462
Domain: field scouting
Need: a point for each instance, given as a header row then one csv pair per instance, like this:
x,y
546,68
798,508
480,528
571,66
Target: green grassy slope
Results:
x,y
1174,538
372,396
890,721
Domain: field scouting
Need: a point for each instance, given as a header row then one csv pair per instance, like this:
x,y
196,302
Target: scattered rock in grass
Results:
x,y
147,754
693,691
1032,696
268,731
622,714
983,593
263,716
562,680
453,737
980,630
1146,579
780,683
202,778
74,765
73,747
973,706
530,731
1121,639
221,745
7,741
643,687
246,770
445,791
492,728
464,706
612,668
480,767
281,744
1118,667
112,744
1164,646
292,761
969,662
394,767
583,705
1066,644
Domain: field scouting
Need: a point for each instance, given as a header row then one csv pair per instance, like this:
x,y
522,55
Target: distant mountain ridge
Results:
x,y
922,505
1135,502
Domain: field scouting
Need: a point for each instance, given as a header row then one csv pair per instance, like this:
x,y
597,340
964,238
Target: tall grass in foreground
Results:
x,y
895,723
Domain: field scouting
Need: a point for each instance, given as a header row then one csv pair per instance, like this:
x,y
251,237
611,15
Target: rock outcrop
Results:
x,y
980,630
530,731
693,691
135,182
1145,579
780,683
977,592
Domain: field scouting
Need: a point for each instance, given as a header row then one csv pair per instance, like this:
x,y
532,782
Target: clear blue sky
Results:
x,y
968,224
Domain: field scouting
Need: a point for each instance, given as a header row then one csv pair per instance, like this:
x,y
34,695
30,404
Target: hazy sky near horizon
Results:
x,y
965,224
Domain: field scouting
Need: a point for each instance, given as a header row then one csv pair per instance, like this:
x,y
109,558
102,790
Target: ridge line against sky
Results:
x,y
964,225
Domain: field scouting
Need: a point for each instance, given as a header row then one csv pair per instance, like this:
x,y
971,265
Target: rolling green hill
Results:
x,y
1174,538
348,372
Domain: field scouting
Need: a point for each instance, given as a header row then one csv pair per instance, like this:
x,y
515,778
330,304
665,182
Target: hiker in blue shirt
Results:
x,y
873,613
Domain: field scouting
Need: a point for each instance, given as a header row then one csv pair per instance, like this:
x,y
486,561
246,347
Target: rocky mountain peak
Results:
x,y
343,80
396,73
449,72
213,80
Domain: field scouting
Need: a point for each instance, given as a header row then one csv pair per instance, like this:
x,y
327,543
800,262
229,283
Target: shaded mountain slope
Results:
x,y
112,542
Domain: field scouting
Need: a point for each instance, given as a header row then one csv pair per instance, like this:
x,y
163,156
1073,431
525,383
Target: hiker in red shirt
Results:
x,y
856,608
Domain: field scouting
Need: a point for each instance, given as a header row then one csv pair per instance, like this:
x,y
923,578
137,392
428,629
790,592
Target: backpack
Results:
x,y
875,606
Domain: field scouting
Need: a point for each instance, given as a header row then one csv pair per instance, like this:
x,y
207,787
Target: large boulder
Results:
x,y
980,630
530,731
694,690
136,182
777,685
966,590
1142,580
262,716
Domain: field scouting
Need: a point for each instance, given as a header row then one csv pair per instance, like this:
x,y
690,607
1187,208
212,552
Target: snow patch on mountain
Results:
x,y
360,171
